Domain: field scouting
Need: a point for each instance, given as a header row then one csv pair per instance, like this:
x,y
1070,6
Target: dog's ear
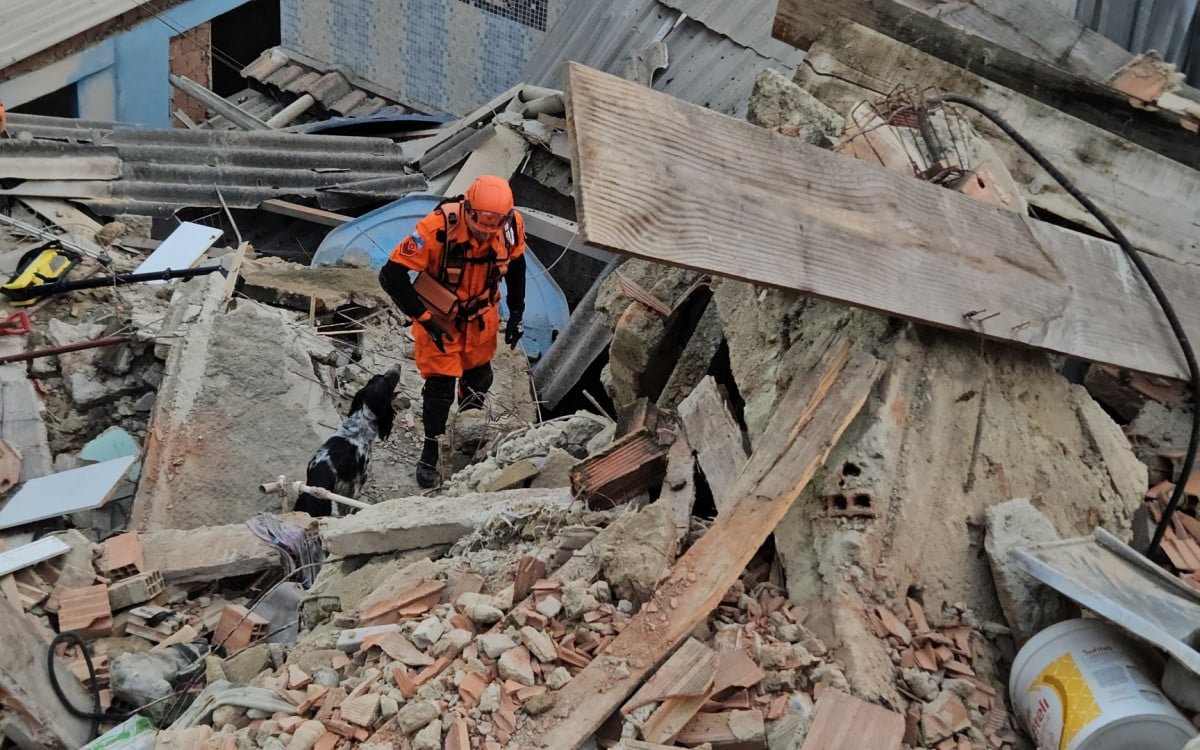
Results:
x,y
358,401
384,416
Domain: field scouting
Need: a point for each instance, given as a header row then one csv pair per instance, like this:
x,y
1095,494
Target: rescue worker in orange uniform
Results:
x,y
468,244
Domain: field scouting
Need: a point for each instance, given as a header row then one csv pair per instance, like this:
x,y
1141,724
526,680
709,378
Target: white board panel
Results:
x,y
32,554
181,250
65,492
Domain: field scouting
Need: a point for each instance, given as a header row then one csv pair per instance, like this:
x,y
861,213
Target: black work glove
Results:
x,y
513,331
436,332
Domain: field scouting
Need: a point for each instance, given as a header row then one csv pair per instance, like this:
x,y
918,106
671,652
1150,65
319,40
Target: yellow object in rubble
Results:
x,y
41,266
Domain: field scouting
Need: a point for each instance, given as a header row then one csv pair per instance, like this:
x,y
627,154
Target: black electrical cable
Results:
x,y
1189,457
97,714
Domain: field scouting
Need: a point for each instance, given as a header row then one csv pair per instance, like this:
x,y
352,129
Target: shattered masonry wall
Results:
x,y
956,425
443,56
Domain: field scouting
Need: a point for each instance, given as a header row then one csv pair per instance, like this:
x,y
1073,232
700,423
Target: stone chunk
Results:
x,y
493,645
416,715
515,665
428,632
1028,606
480,608
539,644
452,643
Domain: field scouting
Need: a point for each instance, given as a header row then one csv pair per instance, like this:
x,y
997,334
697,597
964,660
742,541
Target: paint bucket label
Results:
x,y
1066,696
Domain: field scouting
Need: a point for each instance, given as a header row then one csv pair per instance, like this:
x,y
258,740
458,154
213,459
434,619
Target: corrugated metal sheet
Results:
x,y
747,23
163,170
30,26
1169,27
705,67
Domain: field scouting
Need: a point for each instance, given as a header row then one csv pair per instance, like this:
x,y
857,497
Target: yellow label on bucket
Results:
x,y
1079,706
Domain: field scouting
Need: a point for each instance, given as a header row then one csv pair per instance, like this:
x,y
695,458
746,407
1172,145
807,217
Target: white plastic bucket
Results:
x,y
1077,686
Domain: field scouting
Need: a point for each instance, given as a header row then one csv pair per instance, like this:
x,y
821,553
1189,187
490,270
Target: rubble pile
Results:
x,y
790,523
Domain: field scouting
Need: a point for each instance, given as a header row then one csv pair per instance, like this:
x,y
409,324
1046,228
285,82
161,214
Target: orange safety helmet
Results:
x,y
489,204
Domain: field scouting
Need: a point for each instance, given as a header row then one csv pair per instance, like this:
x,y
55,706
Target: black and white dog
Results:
x,y
343,463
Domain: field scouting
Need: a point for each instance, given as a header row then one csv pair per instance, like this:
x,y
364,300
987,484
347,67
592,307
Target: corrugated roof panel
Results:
x,y
163,170
747,23
704,67
29,26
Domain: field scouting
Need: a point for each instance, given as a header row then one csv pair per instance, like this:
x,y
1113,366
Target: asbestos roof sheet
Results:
x,y
29,26
162,170
713,57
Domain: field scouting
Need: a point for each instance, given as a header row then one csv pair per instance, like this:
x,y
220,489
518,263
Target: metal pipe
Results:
x,y
79,346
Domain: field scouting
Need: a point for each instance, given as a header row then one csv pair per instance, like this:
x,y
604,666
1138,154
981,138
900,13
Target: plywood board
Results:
x,y
716,438
65,492
180,250
825,225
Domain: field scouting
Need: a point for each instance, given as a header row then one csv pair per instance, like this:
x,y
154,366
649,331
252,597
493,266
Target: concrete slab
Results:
x,y
415,522
206,554
241,390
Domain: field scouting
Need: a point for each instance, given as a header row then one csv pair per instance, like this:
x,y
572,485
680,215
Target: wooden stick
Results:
x,y
318,492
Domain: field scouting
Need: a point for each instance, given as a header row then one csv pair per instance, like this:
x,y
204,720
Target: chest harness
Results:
x,y
456,258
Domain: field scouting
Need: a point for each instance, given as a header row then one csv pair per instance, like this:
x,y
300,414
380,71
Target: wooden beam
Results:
x,y
297,211
1152,198
795,216
799,22
716,438
827,392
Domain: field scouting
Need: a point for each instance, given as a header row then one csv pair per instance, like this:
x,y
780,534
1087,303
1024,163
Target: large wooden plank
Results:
x,y
1037,30
795,216
844,722
1152,198
307,213
716,438
828,390
799,22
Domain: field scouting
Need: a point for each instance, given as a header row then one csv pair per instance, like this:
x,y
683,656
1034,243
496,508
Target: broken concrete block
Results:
x,y
416,715
306,735
427,633
558,679
555,470
206,554
142,679
244,666
452,643
489,701
416,522
550,606
493,645
1028,606
636,555
515,665
540,704
780,104
578,602
539,644
429,738
480,608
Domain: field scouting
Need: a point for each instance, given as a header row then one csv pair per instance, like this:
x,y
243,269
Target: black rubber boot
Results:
x,y
437,397
473,387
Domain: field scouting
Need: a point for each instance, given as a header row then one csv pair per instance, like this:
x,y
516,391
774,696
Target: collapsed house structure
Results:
x,y
778,481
